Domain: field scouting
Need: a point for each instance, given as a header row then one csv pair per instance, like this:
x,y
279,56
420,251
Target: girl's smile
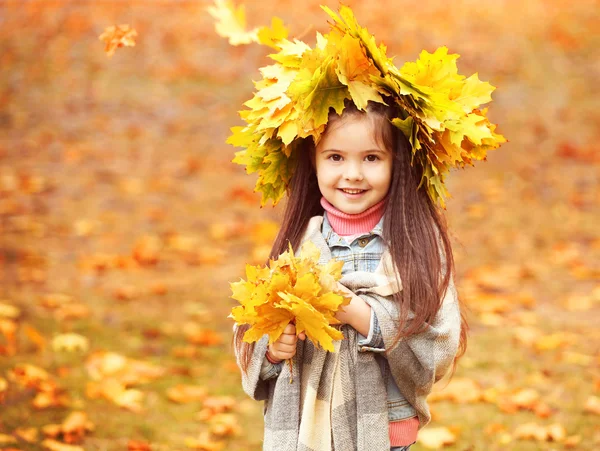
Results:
x,y
353,170
353,193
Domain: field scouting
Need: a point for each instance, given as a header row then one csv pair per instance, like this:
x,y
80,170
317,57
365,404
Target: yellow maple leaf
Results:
x,y
182,393
317,91
291,289
354,70
231,23
117,36
272,36
3,389
436,437
311,321
55,445
204,442
70,342
9,311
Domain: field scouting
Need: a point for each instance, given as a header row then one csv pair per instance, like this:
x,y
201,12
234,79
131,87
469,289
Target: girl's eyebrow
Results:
x,y
362,151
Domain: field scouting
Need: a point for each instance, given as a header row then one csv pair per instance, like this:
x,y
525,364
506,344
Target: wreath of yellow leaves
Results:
x,y
441,112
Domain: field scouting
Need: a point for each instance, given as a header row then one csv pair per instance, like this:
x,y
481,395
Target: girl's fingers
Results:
x,y
290,329
283,347
288,339
302,336
283,355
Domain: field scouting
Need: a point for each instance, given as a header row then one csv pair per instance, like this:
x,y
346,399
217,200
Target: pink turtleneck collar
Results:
x,y
345,224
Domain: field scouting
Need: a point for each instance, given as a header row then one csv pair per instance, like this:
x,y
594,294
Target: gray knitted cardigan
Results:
x,y
338,401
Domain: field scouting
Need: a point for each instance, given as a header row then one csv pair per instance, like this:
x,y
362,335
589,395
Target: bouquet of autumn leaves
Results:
x,y
291,289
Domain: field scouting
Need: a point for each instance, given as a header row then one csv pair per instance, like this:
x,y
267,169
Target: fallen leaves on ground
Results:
x,y
542,433
123,219
48,393
187,393
436,437
116,36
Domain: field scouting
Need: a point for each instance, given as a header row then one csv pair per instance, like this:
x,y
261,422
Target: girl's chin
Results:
x,y
350,208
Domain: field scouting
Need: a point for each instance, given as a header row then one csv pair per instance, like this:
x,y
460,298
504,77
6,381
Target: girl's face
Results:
x,y
353,170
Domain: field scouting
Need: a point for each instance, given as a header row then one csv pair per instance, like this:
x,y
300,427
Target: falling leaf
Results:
x,y
436,437
231,22
118,36
70,342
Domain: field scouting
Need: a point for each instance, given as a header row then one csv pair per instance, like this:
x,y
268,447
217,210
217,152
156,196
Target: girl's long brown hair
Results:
x,y
413,229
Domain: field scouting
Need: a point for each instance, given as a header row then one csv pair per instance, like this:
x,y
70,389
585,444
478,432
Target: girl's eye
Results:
x,y
335,157
372,158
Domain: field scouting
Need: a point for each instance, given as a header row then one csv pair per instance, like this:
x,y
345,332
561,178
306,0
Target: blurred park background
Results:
x,y
122,221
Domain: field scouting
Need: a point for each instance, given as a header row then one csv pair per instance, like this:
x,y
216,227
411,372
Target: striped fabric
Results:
x,y
338,400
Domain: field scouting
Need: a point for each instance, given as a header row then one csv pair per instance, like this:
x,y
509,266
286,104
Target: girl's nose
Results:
x,y
353,172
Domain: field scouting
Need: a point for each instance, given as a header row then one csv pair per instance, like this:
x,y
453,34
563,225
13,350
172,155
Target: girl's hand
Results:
x,y
344,313
285,347
357,313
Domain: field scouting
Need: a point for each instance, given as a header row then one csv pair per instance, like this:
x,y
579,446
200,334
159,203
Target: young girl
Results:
x,y
356,196
361,148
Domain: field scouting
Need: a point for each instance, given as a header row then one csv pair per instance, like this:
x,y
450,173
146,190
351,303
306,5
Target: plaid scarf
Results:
x,y
338,401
